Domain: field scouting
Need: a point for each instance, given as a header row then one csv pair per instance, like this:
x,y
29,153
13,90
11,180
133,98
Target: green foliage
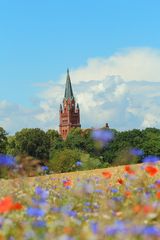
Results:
x,y
151,141
64,160
11,146
80,139
89,162
124,157
33,142
3,140
49,145
55,141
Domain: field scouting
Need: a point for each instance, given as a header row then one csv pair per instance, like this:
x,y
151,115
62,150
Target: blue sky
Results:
x,y
40,39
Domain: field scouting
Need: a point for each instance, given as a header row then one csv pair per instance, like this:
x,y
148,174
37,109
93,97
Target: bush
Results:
x,y
89,162
64,160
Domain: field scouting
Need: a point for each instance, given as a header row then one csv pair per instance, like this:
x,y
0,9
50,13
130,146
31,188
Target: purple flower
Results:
x,y
103,136
56,209
71,213
44,168
98,191
114,190
1,221
87,204
39,223
94,227
35,212
78,163
7,160
39,201
151,231
150,159
117,199
41,192
136,152
117,227
157,182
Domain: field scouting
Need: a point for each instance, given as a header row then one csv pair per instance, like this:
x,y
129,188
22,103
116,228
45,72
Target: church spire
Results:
x,y
68,88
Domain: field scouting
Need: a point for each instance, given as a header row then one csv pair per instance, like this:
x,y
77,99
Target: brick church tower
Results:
x,y
69,113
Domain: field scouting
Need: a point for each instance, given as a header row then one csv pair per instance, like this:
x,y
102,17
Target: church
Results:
x,y
69,112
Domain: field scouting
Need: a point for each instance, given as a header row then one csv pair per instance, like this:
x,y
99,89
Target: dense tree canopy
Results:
x,y
61,155
3,140
33,142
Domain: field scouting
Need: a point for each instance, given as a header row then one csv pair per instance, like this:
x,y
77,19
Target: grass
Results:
x,y
98,204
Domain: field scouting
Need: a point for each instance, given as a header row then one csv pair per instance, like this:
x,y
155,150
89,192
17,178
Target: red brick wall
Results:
x,y
69,117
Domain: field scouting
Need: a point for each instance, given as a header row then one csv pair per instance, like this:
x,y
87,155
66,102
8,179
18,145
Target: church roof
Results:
x,y
68,88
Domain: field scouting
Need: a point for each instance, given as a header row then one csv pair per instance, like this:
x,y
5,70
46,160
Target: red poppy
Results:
x,y
120,181
147,209
67,230
158,195
7,205
16,206
107,174
67,183
151,170
127,194
129,170
157,184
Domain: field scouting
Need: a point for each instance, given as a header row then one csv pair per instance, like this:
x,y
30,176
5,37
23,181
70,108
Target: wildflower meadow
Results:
x,y
114,203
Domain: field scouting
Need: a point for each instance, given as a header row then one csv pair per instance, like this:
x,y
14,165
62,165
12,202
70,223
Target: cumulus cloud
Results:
x,y
123,90
139,64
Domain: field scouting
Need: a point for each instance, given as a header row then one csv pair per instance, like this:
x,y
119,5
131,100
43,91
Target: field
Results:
x,y
114,203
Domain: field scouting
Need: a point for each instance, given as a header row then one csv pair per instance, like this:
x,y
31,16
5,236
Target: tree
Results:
x,y
55,141
89,162
11,146
33,142
64,160
80,139
3,140
151,141
117,150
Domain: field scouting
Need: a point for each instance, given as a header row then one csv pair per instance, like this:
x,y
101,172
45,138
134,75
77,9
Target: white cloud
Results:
x,y
123,90
139,64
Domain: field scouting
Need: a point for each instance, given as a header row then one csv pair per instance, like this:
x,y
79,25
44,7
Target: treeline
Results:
x,y
79,151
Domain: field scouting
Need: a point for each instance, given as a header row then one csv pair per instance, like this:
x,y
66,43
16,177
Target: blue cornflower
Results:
x,y
56,209
7,160
137,152
71,213
1,221
94,227
44,168
117,227
39,223
114,190
40,201
150,159
35,212
78,163
103,136
98,191
87,204
151,231
41,192
117,199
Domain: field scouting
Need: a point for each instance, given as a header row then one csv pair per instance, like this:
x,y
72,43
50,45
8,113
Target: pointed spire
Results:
x,y
68,87
77,106
60,108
